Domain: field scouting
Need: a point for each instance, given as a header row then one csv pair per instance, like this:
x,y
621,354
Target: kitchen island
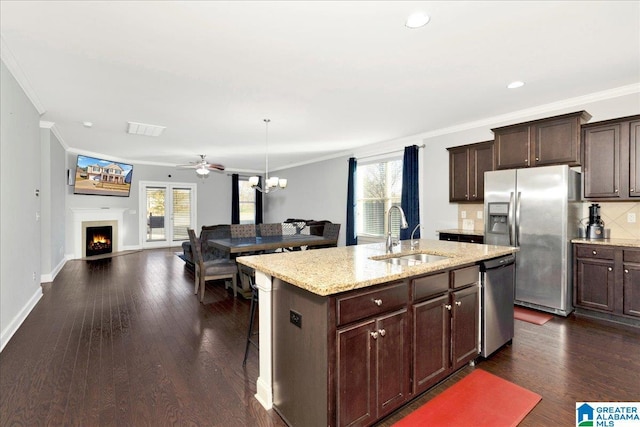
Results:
x,y
348,335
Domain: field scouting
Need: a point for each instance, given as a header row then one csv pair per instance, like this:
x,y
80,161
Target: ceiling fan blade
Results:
x,y
214,166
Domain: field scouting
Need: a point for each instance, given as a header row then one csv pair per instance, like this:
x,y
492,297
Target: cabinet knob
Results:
x,y
610,269
377,302
626,271
632,190
374,335
382,332
447,306
595,253
458,303
475,195
537,159
616,190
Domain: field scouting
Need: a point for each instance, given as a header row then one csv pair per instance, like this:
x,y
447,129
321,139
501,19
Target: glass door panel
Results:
x,y
156,213
167,211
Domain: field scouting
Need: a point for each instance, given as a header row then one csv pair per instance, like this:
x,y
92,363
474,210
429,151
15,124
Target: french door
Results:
x,y
167,210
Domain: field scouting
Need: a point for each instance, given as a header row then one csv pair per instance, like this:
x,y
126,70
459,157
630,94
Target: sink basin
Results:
x,y
412,259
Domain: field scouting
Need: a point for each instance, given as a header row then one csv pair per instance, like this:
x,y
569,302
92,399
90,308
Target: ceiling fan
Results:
x,y
202,167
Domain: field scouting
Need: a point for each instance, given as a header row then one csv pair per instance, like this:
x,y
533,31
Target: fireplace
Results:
x,y
98,240
88,217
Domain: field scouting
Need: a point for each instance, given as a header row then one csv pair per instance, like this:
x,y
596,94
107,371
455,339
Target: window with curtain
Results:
x,y
247,202
379,186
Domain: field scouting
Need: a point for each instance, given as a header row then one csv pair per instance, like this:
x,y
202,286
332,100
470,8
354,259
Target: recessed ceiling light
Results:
x,y
87,124
515,85
417,20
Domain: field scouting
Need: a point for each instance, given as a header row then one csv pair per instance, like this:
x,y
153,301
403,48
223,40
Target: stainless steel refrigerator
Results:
x,y
538,210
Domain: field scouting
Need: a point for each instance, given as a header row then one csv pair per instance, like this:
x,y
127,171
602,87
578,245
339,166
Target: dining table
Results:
x,y
247,245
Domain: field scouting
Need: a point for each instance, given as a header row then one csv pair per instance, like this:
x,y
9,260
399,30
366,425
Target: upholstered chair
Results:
x,y
218,269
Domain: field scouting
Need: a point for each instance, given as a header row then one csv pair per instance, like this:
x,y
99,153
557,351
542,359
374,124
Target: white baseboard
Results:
x,y
46,278
13,326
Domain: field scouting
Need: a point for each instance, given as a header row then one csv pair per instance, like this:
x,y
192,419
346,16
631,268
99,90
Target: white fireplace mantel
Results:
x,y
81,215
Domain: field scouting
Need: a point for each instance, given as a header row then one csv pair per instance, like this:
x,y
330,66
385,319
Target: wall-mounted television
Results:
x,y
102,177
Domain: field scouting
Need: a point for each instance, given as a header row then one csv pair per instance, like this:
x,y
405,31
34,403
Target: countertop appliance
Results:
x,y
536,209
497,278
595,228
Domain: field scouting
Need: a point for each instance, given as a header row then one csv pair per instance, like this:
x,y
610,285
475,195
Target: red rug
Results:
x,y
479,399
531,316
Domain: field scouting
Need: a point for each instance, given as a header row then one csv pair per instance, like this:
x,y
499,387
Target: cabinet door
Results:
x,y
431,342
355,384
512,147
458,174
465,307
595,281
480,161
601,165
392,361
634,159
557,142
631,279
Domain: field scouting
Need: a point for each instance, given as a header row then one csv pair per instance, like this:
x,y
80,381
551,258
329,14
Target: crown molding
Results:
x,y
17,73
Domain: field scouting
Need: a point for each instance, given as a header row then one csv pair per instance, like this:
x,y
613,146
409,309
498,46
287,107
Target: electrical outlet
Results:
x,y
295,318
479,214
631,217
463,214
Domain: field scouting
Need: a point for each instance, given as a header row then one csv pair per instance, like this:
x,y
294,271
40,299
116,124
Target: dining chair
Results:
x,y
331,231
216,269
243,230
247,278
274,229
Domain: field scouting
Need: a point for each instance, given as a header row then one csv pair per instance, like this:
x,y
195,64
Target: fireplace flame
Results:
x,y
98,238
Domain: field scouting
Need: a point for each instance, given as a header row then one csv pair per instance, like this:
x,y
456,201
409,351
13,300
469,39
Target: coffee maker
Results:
x,y
595,227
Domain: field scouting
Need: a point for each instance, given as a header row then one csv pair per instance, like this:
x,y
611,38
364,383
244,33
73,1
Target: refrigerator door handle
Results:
x,y
510,222
517,224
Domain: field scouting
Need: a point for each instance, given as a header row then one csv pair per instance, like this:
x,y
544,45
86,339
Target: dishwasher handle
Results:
x,y
494,263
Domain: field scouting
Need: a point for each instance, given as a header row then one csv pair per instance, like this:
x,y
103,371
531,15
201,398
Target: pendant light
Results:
x,y
271,183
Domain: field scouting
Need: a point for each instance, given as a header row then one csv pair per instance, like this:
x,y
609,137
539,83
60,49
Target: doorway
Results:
x,y
167,210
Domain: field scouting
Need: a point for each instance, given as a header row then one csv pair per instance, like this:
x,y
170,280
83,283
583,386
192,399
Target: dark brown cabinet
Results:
x,y
460,237
467,165
465,306
607,279
611,159
550,141
372,356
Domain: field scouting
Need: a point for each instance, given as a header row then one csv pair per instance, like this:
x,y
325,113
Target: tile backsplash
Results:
x,y
615,215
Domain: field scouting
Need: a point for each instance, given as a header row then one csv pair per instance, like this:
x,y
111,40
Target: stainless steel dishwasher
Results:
x,y
497,284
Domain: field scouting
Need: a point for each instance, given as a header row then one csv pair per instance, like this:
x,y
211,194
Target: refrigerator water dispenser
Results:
x,y
498,218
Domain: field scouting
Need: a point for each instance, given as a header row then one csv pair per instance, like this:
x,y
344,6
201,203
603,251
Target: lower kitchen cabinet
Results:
x,y
607,279
460,237
465,306
373,369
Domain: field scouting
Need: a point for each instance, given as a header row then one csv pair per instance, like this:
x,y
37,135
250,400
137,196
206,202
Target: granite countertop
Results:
x,y
629,243
462,231
334,270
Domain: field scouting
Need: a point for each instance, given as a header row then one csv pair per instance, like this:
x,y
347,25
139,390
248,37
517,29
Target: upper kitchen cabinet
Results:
x,y
550,141
467,165
611,159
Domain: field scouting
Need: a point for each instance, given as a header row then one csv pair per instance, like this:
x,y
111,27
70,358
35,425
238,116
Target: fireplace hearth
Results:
x,y
99,240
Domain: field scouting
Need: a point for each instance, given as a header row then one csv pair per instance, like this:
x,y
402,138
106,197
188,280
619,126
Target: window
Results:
x,y
379,186
247,202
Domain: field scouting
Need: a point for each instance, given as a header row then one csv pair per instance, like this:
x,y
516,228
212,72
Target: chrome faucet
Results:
x,y
413,244
403,226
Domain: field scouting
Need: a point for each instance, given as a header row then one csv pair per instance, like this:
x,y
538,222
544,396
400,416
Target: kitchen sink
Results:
x,y
411,259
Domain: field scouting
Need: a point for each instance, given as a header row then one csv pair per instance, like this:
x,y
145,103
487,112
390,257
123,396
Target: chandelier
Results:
x,y
272,183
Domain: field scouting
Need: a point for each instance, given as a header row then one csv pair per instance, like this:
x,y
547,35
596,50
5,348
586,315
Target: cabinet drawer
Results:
x,y
631,256
599,252
465,276
368,304
424,287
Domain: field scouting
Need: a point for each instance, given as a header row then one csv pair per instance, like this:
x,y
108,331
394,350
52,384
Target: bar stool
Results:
x,y
247,276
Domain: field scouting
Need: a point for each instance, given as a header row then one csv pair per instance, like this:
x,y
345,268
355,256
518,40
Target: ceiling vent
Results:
x,y
144,129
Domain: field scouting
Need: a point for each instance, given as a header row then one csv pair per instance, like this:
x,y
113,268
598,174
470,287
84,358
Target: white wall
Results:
x,y
316,191
52,198
19,230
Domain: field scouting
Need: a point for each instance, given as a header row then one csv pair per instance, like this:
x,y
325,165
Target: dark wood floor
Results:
x,y
123,341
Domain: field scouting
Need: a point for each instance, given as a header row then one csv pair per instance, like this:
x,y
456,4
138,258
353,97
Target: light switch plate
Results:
x,y
631,217
479,214
467,224
463,214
